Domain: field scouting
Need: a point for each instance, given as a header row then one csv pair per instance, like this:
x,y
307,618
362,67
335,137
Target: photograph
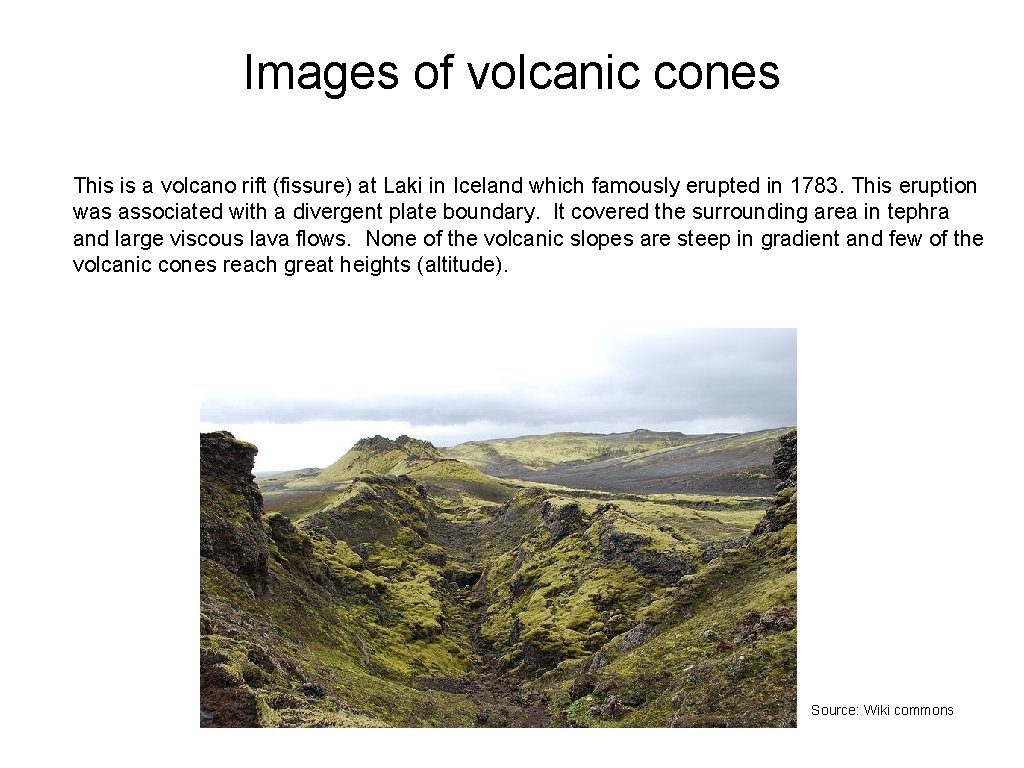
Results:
x,y
610,545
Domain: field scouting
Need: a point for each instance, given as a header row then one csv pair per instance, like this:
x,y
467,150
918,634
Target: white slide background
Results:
x,y
909,377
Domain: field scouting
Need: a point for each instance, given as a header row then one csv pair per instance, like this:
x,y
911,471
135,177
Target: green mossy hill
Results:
x,y
375,510
544,451
379,455
394,599
406,456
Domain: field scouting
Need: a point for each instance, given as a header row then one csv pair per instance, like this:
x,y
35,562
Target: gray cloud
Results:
x,y
729,375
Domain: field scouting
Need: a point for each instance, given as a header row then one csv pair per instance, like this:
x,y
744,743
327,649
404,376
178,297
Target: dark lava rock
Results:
x,y
261,658
754,626
517,587
561,520
609,709
784,460
581,686
313,690
782,511
660,567
638,635
467,578
226,703
712,550
437,556
536,658
231,508
635,699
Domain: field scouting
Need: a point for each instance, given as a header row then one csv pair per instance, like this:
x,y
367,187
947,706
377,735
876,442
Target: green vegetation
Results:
x,y
402,588
543,451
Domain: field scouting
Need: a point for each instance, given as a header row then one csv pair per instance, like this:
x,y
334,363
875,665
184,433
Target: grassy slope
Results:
x,y
699,668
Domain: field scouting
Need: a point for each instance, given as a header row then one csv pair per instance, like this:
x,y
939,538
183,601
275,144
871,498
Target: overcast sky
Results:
x,y
729,380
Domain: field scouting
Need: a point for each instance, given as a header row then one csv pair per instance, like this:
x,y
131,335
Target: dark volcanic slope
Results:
x,y
711,464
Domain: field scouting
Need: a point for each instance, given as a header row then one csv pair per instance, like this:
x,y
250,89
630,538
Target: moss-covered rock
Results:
x,y
782,511
231,528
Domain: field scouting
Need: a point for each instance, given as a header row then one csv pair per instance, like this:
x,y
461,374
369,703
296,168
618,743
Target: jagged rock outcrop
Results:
x,y
404,443
561,519
663,568
784,460
782,511
231,530
638,635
